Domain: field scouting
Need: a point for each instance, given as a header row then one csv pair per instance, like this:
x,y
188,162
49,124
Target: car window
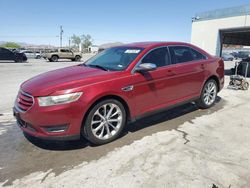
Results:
x,y
159,57
180,54
197,55
65,50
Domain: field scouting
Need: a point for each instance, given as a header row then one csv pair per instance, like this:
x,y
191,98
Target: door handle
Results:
x,y
202,66
171,73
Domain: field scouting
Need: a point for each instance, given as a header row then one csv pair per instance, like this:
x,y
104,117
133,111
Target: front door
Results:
x,y
154,89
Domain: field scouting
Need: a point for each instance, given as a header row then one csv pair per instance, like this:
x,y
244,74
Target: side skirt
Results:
x,y
162,109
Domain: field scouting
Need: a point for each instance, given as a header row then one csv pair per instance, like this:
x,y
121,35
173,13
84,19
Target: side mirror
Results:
x,y
144,67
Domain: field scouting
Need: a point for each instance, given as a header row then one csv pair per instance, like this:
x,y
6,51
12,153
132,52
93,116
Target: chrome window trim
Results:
x,y
206,58
167,46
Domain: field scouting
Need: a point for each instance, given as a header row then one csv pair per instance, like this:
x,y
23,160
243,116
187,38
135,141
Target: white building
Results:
x,y
93,49
212,29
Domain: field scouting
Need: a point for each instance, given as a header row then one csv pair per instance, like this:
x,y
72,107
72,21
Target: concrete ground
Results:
x,y
182,147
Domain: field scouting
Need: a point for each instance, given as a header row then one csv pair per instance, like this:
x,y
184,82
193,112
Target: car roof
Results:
x,y
150,45
153,44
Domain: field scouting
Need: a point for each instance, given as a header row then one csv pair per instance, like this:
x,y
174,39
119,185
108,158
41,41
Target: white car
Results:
x,y
227,57
31,55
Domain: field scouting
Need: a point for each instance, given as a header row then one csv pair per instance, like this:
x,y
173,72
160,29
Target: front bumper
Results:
x,y
60,122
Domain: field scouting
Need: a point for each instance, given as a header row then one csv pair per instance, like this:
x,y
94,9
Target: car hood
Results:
x,y
65,79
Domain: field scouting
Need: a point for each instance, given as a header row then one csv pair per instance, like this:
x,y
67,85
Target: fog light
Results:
x,y
56,128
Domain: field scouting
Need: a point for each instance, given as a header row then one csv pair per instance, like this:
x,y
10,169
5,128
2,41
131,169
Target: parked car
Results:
x,y
62,53
243,54
8,55
235,54
31,54
227,57
119,85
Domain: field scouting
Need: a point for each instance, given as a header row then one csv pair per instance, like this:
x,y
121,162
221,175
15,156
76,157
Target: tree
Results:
x,y
86,41
76,40
11,45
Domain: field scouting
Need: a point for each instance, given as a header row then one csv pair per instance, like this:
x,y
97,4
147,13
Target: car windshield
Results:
x,y
114,59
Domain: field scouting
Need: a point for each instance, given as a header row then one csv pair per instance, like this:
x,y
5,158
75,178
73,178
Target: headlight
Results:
x,y
59,99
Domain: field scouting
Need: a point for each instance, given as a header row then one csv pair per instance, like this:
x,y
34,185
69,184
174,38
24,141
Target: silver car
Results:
x,y
31,55
227,57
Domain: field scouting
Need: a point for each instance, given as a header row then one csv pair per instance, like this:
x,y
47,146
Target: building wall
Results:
x,y
205,34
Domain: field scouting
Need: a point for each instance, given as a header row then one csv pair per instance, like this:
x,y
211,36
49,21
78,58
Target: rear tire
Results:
x,y
54,58
208,95
105,122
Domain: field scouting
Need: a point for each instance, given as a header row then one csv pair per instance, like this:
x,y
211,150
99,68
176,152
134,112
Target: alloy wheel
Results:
x,y
210,93
106,121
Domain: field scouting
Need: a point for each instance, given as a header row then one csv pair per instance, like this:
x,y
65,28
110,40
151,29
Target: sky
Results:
x,y
38,22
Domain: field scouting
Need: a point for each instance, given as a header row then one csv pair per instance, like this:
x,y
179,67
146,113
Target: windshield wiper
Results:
x,y
97,66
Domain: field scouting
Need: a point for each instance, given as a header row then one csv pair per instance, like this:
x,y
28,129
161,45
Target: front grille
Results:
x,y
24,101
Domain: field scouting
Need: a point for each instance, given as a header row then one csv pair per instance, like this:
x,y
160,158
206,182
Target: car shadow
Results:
x,y
134,127
164,116
63,61
57,145
13,62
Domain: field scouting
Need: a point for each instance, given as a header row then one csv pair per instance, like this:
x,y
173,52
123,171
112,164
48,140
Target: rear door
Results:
x,y
66,53
189,71
6,54
1,54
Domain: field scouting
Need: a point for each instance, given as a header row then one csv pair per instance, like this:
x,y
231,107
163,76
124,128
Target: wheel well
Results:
x,y
55,55
121,100
216,79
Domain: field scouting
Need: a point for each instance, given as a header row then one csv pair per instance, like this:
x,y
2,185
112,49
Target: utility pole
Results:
x,y
69,42
61,33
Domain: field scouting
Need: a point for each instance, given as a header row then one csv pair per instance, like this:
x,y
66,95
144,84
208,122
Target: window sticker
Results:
x,y
132,51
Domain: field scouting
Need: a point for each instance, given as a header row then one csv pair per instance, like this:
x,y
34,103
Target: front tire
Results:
x,y
104,122
208,94
19,60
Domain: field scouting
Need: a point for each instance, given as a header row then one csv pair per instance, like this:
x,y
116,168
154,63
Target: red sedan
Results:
x,y
97,99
